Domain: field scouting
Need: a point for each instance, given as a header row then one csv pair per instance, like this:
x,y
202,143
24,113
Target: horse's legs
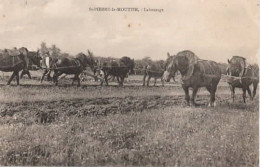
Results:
x,y
118,80
44,73
144,79
187,96
17,77
213,96
11,78
148,80
29,75
244,94
162,81
154,81
49,75
106,80
194,93
122,79
232,89
73,79
212,91
22,73
249,92
255,84
55,76
77,77
25,72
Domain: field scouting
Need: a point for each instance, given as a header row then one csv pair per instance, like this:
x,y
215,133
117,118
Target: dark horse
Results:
x,y
73,66
14,61
120,69
153,71
195,73
34,63
242,76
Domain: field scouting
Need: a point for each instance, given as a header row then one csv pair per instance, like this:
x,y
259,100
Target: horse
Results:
x,y
15,60
34,63
223,68
120,69
73,66
242,75
196,73
153,71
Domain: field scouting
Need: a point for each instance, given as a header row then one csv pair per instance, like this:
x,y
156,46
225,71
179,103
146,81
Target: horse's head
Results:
x,y
87,60
236,66
35,58
184,62
24,56
130,63
170,68
91,61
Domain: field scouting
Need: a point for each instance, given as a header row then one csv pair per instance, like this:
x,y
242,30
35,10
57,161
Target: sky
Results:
x,y
212,29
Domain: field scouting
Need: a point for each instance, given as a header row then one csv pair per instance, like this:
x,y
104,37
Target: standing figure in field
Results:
x,y
242,75
73,66
195,74
47,64
15,60
153,71
120,69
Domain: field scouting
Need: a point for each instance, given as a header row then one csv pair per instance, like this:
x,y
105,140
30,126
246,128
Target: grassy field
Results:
x,y
42,124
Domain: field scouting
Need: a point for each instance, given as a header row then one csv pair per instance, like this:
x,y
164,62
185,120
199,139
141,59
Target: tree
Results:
x,y
54,51
146,60
43,49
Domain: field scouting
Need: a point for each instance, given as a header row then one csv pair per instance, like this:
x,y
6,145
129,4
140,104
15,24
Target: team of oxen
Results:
x,y
195,72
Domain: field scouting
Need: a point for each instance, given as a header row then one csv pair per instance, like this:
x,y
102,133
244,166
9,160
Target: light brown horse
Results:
x,y
242,75
15,60
195,73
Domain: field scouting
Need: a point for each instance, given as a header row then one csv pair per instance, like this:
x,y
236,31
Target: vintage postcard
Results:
x,y
129,83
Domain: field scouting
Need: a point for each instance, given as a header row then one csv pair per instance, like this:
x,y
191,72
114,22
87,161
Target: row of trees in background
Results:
x,y
53,51
140,64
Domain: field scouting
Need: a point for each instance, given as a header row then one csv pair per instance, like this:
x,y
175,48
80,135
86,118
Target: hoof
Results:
x,y
194,105
212,105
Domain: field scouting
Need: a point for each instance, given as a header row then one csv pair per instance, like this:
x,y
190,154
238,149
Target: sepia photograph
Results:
x,y
129,83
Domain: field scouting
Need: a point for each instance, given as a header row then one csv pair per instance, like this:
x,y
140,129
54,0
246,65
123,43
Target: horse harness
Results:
x,y
247,67
196,61
78,63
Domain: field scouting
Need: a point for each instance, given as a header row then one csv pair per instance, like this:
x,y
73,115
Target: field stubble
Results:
x,y
46,125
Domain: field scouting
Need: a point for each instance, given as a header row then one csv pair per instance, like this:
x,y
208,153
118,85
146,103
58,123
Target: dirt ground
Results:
x,y
33,110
